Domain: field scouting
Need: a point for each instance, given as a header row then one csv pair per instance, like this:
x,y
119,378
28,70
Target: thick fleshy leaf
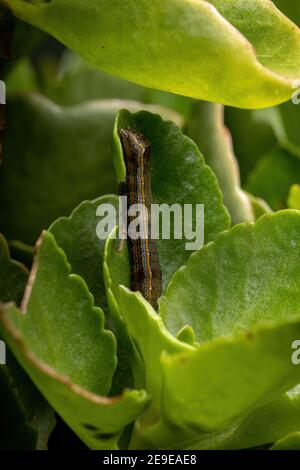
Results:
x,y
267,424
21,78
98,420
150,339
206,128
249,274
289,442
232,361
58,307
245,371
273,176
294,197
26,418
259,206
77,82
116,272
13,276
178,175
50,341
54,159
238,44
261,427
189,399
254,133
268,146
77,236
258,133
149,431
290,115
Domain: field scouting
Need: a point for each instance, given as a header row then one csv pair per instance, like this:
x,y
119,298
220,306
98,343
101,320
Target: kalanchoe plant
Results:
x,y
211,367
240,64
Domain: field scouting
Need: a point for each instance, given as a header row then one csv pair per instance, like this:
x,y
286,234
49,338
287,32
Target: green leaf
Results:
x,y
149,336
261,132
59,307
268,146
178,175
216,40
26,418
249,274
290,115
206,128
54,159
139,328
13,276
273,176
77,81
259,206
245,371
254,133
116,272
98,420
71,372
261,427
21,78
294,197
289,442
150,339
250,368
267,424
77,236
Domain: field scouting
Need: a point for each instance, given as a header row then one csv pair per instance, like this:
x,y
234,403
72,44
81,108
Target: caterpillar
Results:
x,y
145,269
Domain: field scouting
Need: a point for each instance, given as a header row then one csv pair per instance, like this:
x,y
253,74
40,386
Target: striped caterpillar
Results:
x,y
145,270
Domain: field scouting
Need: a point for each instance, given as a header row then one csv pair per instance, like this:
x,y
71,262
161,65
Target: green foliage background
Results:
x,y
210,84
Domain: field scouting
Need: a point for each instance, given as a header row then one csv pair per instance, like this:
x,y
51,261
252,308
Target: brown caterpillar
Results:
x,y
145,270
